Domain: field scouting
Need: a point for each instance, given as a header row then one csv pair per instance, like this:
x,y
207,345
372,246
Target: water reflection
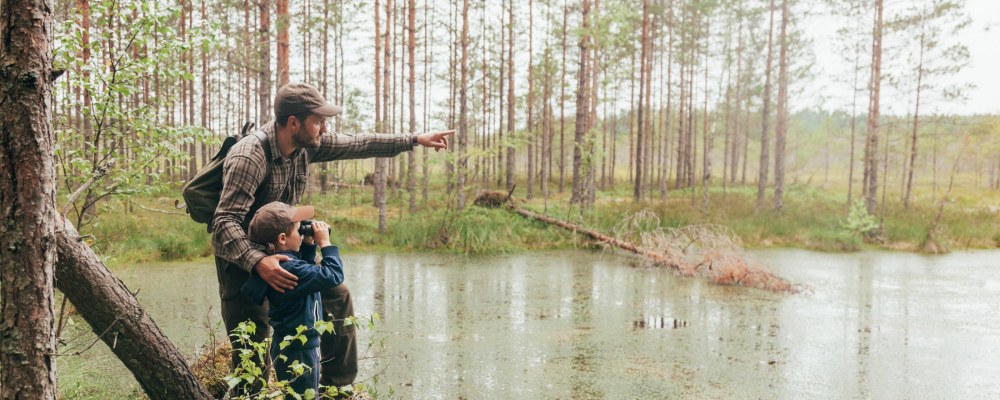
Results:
x,y
590,326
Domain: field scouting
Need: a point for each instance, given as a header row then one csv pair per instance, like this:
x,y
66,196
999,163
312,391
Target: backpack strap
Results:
x,y
267,158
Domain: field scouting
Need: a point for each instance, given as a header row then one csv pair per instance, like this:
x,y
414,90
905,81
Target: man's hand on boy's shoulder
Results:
x,y
269,269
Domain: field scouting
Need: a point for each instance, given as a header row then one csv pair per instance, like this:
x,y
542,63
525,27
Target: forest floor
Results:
x,y
812,218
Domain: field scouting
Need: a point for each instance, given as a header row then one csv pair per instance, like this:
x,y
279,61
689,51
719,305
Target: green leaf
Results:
x,y
232,381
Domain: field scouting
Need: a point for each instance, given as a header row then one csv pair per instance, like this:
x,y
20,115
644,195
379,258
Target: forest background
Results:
x,y
689,111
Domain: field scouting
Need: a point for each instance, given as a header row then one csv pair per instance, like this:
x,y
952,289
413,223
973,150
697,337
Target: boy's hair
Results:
x,y
291,228
274,219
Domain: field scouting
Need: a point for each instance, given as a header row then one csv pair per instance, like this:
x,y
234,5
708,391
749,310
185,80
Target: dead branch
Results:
x,y
697,250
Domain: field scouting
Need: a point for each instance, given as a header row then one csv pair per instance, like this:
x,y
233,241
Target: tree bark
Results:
x,y
264,74
381,124
562,105
530,126
427,81
637,189
411,47
113,312
735,156
582,106
463,117
27,203
781,124
765,115
871,143
510,98
916,126
324,175
283,22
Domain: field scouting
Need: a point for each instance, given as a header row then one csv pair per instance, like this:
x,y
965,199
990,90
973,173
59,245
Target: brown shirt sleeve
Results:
x,y
242,173
345,147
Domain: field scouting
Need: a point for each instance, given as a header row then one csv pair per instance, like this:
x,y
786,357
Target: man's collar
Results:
x,y
272,140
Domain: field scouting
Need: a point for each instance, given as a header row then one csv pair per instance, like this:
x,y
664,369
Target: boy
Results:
x,y
276,225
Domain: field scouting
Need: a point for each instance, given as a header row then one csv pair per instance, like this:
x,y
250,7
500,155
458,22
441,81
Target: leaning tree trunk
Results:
x,y
27,203
115,315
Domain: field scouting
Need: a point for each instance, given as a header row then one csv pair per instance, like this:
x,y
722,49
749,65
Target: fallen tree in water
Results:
x,y
711,251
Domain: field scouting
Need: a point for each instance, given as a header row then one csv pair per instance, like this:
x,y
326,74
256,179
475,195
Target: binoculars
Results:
x,y
306,228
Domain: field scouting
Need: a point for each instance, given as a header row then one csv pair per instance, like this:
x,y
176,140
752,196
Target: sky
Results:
x,y
827,89
982,38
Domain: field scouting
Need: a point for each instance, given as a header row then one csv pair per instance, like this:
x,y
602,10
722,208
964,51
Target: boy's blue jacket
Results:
x,y
301,305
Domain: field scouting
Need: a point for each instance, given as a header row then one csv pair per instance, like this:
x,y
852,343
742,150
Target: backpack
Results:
x,y
202,192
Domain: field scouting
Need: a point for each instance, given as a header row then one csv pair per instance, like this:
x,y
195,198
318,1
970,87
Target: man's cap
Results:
x,y
297,97
274,219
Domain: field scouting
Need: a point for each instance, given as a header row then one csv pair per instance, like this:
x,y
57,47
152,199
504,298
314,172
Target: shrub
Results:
x,y
859,222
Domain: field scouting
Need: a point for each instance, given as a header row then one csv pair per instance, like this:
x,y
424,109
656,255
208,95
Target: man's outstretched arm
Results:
x,y
345,147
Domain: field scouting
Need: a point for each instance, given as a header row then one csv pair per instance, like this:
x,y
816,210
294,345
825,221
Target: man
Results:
x,y
255,174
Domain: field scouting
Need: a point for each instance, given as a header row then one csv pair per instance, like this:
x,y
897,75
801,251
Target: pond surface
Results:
x,y
582,325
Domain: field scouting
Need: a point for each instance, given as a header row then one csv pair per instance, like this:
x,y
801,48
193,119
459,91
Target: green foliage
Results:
x,y
475,231
250,374
116,138
859,222
139,236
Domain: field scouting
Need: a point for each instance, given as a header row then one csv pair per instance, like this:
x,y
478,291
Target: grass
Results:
x,y
812,218
137,236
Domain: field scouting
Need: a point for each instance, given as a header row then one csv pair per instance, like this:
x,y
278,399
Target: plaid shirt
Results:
x,y
244,170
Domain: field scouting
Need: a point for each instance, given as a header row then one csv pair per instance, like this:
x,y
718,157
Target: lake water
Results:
x,y
583,325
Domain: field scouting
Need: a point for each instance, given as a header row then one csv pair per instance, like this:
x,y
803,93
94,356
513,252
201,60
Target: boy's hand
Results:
x,y
321,233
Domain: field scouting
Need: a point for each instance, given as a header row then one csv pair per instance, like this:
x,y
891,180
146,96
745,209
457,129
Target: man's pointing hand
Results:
x,y
436,140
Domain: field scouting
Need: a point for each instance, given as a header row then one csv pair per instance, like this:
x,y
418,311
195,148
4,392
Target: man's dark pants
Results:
x,y
339,366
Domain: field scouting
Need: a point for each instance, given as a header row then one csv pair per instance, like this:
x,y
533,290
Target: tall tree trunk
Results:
x,y
854,124
427,97
707,136
381,100
205,104
646,105
871,144
916,125
594,95
247,71
735,157
562,104
664,162
631,117
324,174
510,98
411,47
765,114
283,21
463,117
637,189
452,87
781,124
582,106
264,73
530,127
500,94
27,201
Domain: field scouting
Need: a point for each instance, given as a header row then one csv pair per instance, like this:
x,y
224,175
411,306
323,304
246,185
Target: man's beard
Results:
x,y
302,139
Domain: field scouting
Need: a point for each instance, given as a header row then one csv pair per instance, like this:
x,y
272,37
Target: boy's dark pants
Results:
x,y
339,365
